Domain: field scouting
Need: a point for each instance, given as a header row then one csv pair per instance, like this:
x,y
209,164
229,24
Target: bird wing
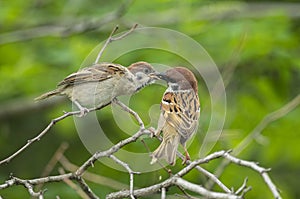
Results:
x,y
95,73
181,110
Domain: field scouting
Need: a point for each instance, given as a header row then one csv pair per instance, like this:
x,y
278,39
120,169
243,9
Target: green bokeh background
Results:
x,y
259,40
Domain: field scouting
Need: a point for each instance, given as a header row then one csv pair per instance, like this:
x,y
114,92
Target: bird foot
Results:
x,y
152,132
83,112
186,158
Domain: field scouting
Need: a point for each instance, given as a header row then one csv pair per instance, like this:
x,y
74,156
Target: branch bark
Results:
x,y
269,118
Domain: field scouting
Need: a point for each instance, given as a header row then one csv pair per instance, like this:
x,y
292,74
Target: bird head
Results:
x,y
144,73
179,78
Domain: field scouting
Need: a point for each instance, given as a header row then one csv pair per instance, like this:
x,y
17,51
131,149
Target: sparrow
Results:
x,y
180,112
97,85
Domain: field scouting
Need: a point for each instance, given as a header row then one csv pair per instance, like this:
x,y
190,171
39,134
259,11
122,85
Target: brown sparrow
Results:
x,y
180,111
97,85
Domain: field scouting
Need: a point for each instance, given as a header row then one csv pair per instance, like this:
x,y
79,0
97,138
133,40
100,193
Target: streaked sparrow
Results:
x,y
180,111
99,84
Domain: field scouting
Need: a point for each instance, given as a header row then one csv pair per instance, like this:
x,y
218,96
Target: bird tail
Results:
x,y
166,150
48,94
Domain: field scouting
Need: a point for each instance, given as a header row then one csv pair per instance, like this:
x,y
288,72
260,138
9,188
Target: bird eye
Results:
x,y
146,70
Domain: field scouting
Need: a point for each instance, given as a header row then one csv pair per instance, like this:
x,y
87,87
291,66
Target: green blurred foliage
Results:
x,y
263,43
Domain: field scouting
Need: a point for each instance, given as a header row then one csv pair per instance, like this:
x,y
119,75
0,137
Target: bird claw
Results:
x,y
186,158
152,132
83,112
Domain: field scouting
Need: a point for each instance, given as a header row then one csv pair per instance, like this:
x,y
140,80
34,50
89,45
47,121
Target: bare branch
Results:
x,y
269,118
92,177
202,191
74,186
39,136
214,179
55,158
111,39
110,151
177,180
131,174
86,188
133,113
262,171
163,193
242,187
173,180
79,113
207,174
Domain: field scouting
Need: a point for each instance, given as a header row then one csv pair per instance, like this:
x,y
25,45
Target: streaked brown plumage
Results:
x,y
180,111
99,84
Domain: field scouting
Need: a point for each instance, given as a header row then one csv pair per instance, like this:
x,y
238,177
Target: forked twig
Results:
x,y
271,117
131,174
111,39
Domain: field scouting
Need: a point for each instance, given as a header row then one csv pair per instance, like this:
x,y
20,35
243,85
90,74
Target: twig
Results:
x,y
67,114
29,183
168,183
262,171
110,151
131,174
177,180
269,118
163,193
242,187
214,179
29,188
73,186
185,196
86,188
207,174
202,191
55,158
39,136
127,109
77,174
173,180
92,177
111,39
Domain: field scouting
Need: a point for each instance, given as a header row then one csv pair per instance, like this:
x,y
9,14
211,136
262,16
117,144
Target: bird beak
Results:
x,y
158,76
